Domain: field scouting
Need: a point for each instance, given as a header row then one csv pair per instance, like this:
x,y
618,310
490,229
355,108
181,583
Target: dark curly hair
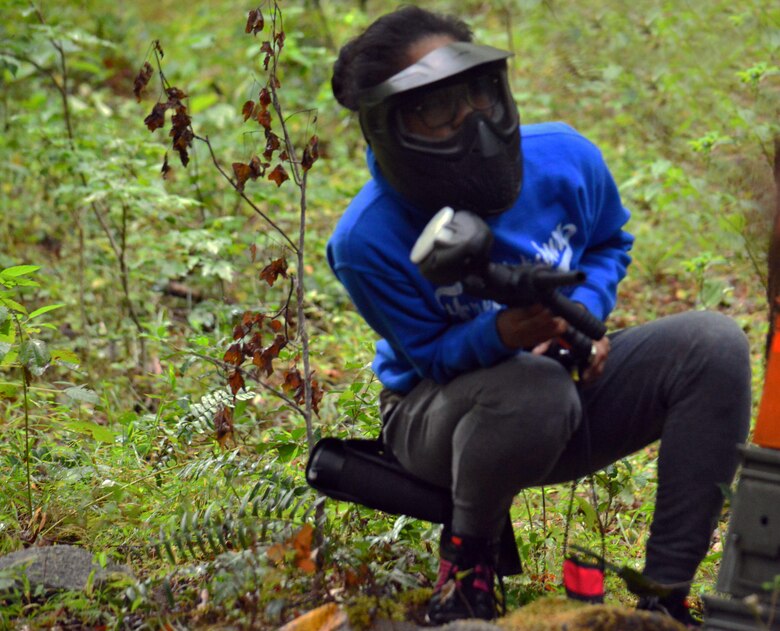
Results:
x,y
381,50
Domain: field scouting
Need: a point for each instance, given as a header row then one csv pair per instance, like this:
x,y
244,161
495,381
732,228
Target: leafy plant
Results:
x,y
150,430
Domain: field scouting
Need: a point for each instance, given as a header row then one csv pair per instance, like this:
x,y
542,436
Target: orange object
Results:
x,y
767,432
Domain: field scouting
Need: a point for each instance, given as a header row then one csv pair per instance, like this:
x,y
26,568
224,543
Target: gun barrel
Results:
x,y
546,279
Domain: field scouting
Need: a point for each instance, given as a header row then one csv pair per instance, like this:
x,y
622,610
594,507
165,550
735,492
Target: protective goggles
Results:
x,y
437,111
441,63
422,106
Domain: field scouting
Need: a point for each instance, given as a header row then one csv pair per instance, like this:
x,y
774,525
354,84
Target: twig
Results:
x,y
300,181
62,88
242,194
225,366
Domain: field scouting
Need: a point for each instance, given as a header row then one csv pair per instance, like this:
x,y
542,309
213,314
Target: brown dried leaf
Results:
x,y
276,326
251,171
236,381
253,252
255,21
158,48
181,120
166,170
264,118
272,143
233,355
264,359
262,362
257,167
156,118
181,131
247,110
175,94
279,40
269,52
273,270
223,425
182,137
301,543
293,383
278,175
254,344
250,20
310,153
276,552
242,172
264,98
316,396
142,80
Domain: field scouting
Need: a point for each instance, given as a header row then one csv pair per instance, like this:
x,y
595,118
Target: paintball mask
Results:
x,y
444,130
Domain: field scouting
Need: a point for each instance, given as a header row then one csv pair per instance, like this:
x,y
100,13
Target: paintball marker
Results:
x,y
455,247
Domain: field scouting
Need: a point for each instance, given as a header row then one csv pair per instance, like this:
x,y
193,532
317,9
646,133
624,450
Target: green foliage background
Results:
x,y
112,445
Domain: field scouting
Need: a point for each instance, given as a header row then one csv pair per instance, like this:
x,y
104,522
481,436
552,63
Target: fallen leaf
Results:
x,y
328,617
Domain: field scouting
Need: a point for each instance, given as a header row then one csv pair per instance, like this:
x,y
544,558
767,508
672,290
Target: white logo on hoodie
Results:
x,y
557,252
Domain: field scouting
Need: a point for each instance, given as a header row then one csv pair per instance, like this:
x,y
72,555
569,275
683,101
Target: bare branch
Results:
x,y
243,195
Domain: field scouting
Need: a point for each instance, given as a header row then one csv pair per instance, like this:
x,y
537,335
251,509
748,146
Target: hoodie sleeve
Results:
x,y
434,346
605,257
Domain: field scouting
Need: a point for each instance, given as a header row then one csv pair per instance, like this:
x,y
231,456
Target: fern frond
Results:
x,y
199,419
275,502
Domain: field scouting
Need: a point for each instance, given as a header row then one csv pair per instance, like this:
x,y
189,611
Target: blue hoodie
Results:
x,y
568,216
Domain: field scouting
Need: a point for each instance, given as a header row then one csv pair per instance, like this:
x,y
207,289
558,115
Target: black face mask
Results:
x,y
478,165
485,177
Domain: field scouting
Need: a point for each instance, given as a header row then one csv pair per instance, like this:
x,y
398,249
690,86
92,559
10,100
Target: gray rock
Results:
x,y
55,567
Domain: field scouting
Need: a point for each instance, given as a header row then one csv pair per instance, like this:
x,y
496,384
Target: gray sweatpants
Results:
x,y
489,433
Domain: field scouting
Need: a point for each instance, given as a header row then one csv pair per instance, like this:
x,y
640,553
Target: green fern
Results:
x,y
199,419
269,507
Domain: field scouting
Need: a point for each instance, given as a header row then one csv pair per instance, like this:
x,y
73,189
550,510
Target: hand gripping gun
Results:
x,y
453,247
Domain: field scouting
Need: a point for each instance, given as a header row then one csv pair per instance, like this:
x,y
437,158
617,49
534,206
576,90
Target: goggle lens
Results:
x,y
440,107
